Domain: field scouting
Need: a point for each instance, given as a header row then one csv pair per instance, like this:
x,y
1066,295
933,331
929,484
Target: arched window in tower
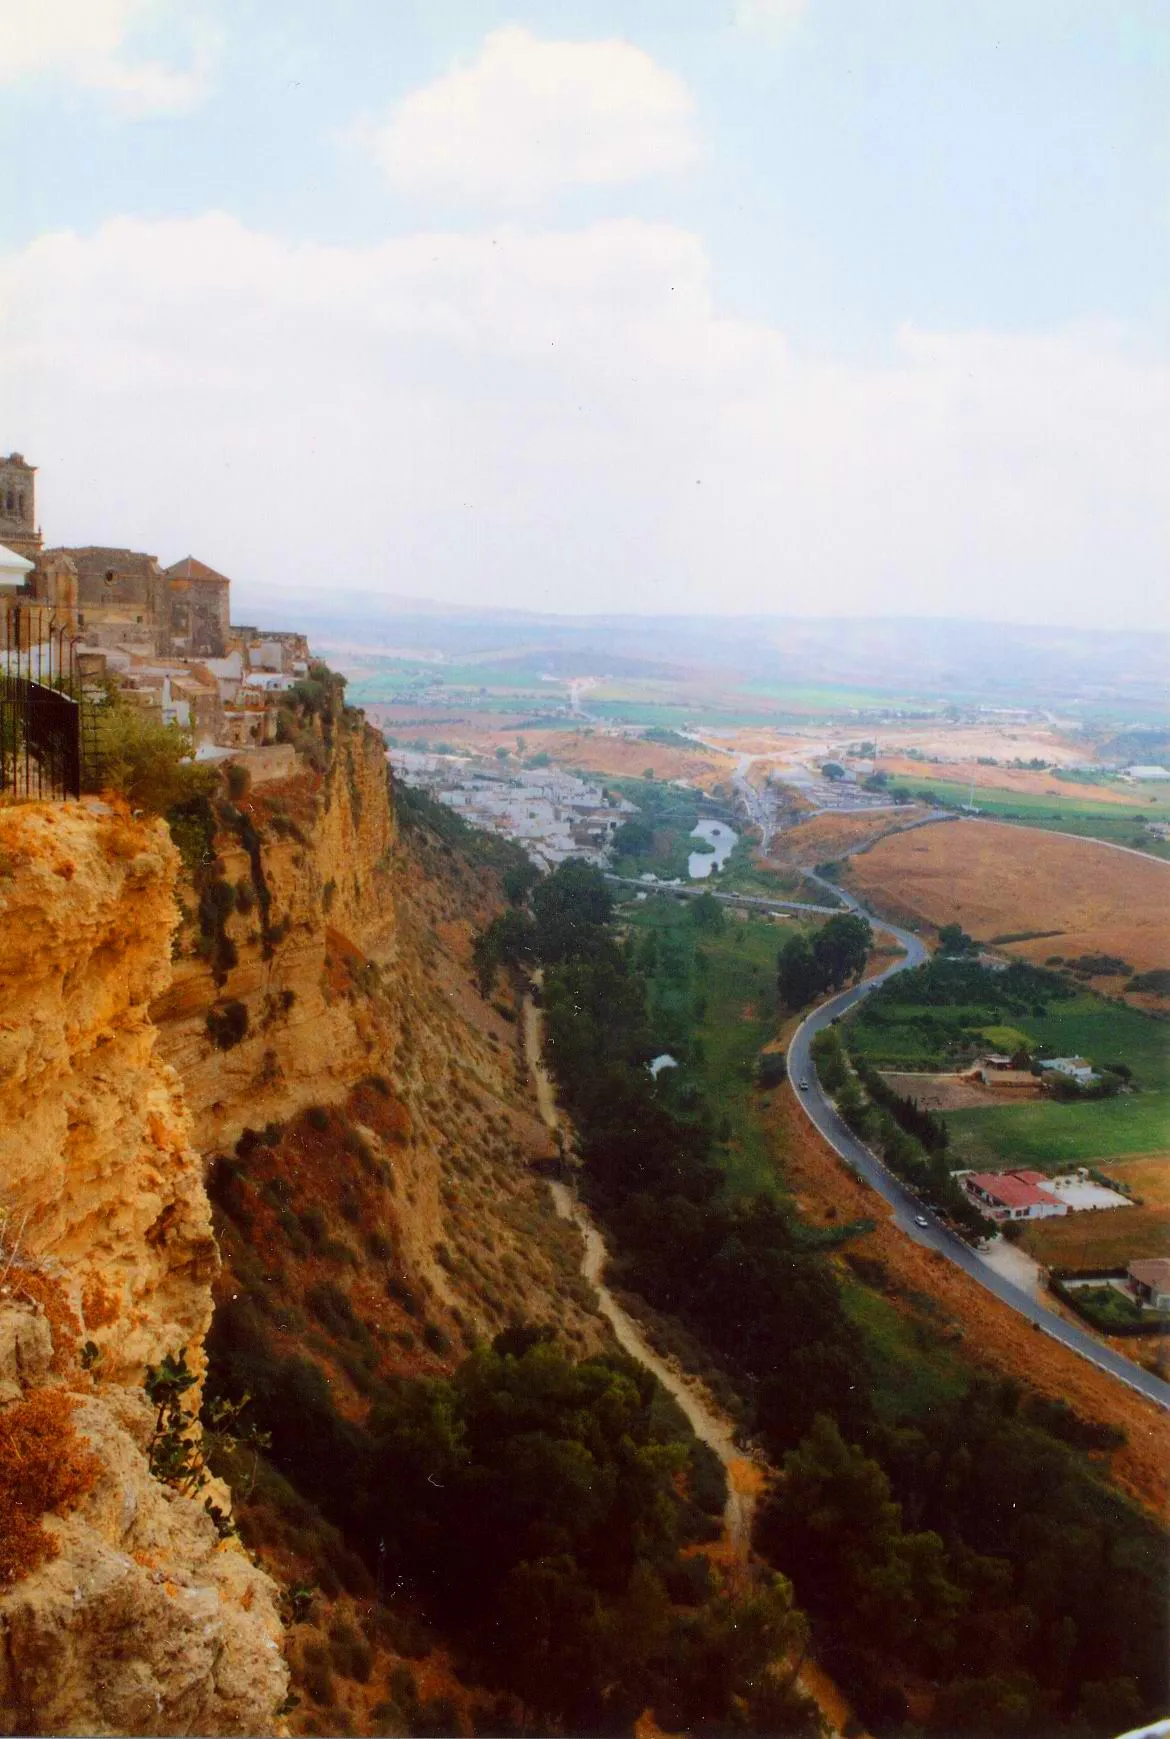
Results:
x,y
20,502
9,503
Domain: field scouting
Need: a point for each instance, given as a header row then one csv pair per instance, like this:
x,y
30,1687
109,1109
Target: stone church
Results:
x,y
116,599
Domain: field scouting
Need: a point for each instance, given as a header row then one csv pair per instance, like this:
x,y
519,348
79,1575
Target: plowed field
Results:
x,y
995,880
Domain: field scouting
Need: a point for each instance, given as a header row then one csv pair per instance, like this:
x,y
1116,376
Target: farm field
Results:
x,y
1051,1136
997,880
1032,786
1148,1178
1115,823
1109,1239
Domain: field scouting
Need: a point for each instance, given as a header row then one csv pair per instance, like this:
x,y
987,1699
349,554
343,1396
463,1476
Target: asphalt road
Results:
x,y
907,1208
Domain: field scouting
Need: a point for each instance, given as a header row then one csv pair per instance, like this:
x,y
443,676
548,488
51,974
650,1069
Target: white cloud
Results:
x,y
85,42
532,117
566,421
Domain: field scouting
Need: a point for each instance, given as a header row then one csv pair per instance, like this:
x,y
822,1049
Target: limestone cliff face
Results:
x,y
120,1609
340,946
97,1170
296,895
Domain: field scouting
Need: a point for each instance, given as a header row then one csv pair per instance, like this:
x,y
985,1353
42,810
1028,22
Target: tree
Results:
x,y
509,940
796,975
840,949
633,839
572,908
832,770
954,941
150,763
706,914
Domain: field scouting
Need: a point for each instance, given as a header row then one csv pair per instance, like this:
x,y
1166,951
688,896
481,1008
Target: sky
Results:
x,y
805,307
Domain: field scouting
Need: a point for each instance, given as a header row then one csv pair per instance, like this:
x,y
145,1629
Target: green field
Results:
x,y
893,1033
713,1005
1104,1032
1050,1136
1073,813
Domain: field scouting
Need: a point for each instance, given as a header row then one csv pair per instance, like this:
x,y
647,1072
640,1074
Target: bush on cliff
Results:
x,y
147,762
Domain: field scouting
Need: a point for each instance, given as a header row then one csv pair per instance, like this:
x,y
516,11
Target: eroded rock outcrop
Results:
x,y
121,1609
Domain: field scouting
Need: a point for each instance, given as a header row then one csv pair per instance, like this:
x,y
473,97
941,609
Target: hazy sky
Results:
x,y
806,306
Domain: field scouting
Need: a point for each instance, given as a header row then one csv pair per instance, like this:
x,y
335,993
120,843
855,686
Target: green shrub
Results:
x,y
147,762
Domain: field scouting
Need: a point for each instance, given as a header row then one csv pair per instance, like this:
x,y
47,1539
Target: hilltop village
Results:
x,y
163,635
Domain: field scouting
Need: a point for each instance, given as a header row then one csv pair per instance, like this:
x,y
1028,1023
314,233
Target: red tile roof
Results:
x,y
190,569
1011,1189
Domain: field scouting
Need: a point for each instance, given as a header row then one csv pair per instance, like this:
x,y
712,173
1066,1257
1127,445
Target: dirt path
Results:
x,y
745,1477
709,1425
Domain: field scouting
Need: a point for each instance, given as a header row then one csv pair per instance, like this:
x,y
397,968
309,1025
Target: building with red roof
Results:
x,y
1013,1195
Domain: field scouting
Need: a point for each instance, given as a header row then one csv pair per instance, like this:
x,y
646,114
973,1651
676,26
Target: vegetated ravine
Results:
x,y
966,1565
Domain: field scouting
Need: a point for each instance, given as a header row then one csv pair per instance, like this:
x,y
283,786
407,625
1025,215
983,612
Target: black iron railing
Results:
x,y
41,703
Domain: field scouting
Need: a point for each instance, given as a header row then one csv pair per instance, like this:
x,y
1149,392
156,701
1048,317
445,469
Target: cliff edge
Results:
x,y
121,1607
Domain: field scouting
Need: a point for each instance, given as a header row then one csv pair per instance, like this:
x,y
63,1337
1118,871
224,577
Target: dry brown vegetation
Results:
x,y
595,752
948,1092
995,879
1109,1238
1148,1178
44,1468
829,836
992,1334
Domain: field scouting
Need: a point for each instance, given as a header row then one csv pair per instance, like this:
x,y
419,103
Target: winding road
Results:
x,y
908,1209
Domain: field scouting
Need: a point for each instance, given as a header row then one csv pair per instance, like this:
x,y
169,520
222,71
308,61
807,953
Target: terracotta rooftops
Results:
x,y
1012,1189
190,569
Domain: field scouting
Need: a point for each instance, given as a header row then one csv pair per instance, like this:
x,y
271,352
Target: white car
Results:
x,y
802,1084
921,1220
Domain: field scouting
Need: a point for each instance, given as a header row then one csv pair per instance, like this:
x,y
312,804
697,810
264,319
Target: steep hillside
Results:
x,y
282,1007
106,1258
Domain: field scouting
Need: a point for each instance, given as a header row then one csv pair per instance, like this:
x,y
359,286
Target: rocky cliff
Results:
x,y
121,1609
270,1000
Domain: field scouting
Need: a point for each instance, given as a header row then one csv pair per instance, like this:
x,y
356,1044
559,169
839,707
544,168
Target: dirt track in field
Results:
x,y
993,1335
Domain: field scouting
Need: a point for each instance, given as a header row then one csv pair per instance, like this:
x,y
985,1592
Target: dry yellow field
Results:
x,y
1148,1178
1026,780
995,879
595,752
1110,1238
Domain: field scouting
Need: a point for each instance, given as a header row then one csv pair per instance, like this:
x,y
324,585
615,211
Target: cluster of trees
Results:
x,y
539,1511
954,942
837,952
964,983
986,1556
980,1553
927,1127
912,1142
